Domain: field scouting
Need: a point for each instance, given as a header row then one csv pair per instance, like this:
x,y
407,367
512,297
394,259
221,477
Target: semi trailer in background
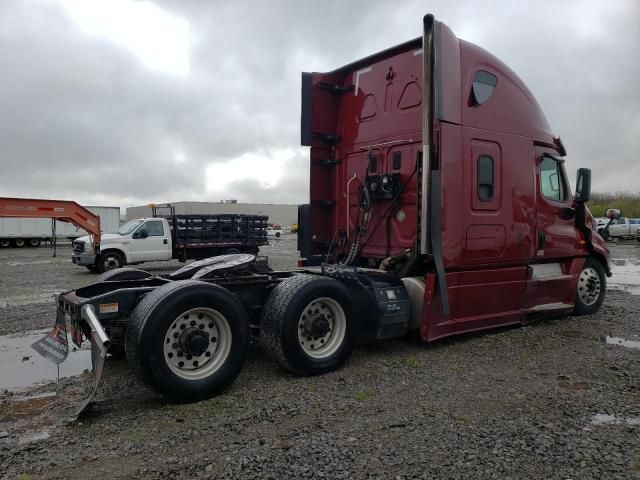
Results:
x,y
21,232
439,205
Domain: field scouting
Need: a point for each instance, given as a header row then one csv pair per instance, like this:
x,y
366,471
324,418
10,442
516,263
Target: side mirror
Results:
x,y
583,186
141,234
613,214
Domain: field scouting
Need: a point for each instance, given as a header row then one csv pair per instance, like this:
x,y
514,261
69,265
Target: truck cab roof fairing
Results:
x,y
512,107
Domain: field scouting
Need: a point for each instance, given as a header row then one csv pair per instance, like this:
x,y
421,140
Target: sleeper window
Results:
x,y
484,83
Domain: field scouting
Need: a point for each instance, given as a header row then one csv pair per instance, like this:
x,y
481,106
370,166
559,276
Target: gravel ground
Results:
x,y
547,400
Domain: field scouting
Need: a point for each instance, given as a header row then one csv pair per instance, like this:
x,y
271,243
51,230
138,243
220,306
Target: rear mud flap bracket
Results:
x,y
55,347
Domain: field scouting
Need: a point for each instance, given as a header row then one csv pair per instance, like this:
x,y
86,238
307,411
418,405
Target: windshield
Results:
x,y
129,227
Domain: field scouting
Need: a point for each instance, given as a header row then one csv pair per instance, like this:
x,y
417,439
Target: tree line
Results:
x,y
629,203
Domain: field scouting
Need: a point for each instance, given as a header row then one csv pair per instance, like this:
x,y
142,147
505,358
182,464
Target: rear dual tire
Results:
x,y
307,324
188,340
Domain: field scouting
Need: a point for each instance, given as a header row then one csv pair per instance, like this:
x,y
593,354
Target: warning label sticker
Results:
x,y
108,308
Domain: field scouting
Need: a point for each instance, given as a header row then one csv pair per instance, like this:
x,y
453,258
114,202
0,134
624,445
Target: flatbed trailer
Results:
x,y
198,236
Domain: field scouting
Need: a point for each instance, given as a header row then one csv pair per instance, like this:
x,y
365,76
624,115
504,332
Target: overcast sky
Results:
x,y
124,102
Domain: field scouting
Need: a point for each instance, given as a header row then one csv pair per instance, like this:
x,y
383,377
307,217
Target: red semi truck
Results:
x,y
434,158
439,204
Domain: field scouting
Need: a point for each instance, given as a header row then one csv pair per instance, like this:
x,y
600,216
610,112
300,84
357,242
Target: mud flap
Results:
x,y
54,346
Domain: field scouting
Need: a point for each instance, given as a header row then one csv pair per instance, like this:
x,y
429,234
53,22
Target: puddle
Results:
x,y
29,406
27,419
22,367
632,289
21,300
25,408
623,342
606,419
626,275
35,262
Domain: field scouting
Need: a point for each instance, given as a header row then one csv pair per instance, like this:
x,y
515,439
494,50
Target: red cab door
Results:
x,y
553,273
556,234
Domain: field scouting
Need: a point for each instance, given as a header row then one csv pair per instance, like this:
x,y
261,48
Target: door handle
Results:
x,y
165,241
541,239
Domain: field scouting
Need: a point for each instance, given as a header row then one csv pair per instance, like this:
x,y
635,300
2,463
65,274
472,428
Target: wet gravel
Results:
x,y
546,400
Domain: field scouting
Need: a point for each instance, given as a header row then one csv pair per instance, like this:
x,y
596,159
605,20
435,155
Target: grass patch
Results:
x,y
363,395
410,362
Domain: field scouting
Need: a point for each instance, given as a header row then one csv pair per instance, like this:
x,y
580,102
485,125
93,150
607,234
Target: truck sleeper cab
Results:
x,y
433,160
439,204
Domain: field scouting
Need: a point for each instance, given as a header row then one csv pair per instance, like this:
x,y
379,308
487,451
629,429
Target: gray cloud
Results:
x,y
83,118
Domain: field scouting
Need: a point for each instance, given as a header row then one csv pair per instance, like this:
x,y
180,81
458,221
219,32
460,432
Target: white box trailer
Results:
x,y
20,232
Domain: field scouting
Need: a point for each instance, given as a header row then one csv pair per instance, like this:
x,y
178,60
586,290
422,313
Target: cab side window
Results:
x,y
552,183
485,178
154,229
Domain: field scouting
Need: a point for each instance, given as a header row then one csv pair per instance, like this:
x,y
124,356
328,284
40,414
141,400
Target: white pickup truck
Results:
x,y
177,236
623,227
274,232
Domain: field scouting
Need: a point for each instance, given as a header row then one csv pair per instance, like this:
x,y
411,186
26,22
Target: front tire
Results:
x,y
592,287
109,261
307,324
34,242
188,340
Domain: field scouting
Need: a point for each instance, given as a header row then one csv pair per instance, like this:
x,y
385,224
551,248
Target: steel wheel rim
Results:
x,y
111,262
322,346
196,367
589,286
34,242
19,243
4,243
